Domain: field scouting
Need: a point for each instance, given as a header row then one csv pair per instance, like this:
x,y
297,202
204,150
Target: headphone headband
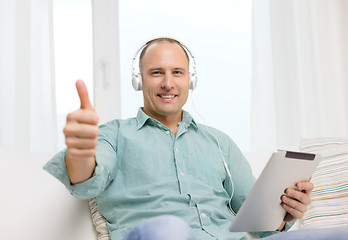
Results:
x,y
137,78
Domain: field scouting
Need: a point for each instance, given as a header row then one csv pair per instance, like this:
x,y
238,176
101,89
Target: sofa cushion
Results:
x,y
329,205
98,220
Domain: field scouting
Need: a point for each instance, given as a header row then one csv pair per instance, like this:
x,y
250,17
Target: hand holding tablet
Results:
x,y
262,210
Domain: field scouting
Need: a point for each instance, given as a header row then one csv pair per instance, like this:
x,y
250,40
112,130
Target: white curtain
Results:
x,y
27,99
300,74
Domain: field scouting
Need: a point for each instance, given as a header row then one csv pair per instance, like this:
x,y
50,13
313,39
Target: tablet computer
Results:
x,y
261,211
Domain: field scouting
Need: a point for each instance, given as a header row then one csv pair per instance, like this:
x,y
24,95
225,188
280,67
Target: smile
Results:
x,y
167,96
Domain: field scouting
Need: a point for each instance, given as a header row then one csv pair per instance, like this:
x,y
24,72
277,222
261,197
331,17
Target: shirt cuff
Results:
x,y
287,226
84,190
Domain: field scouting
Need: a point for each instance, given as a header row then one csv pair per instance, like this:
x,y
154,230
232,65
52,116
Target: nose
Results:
x,y
167,81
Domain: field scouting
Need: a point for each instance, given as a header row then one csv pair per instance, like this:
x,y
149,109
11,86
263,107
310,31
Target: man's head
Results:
x,y
164,66
158,40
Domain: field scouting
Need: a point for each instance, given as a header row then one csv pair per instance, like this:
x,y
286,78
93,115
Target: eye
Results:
x,y
178,73
156,73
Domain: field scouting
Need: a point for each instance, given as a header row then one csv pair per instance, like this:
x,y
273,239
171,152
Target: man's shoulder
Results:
x,y
210,129
215,133
115,123
113,127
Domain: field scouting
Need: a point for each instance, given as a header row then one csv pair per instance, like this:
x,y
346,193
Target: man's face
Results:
x,y
165,80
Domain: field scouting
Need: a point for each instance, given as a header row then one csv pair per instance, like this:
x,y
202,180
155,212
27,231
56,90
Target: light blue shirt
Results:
x,y
143,171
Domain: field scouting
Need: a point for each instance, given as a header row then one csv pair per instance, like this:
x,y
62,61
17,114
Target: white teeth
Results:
x,y
167,96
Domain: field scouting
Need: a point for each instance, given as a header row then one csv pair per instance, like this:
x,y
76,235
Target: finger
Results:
x,y
83,95
81,143
293,203
292,211
302,197
306,187
83,116
81,130
81,153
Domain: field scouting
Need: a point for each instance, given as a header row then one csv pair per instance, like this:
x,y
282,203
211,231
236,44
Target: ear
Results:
x,y
137,82
192,80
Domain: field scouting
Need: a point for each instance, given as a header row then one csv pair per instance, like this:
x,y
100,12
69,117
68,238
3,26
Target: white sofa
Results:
x,y
34,205
37,206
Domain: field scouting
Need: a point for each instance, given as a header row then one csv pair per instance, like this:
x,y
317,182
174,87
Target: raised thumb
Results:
x,y
83,95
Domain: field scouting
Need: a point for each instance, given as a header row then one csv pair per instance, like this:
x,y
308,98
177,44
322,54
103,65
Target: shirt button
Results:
x,y
176,150
182,174
167,132
203,215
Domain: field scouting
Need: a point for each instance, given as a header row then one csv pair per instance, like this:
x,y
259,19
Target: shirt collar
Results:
x,y
187,119
141,118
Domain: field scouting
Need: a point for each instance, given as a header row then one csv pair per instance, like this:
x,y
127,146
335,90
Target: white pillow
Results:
x,y
329,205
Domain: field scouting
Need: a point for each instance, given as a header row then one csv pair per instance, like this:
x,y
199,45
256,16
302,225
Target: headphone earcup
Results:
x,y
137,82
193,81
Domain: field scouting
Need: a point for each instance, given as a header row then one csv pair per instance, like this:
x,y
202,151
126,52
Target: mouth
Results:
x,y
167,97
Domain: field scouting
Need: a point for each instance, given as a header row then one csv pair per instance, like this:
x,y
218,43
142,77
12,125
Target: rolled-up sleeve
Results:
x,y
288,225
103,174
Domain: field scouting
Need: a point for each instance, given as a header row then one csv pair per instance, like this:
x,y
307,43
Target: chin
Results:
x,y
168,112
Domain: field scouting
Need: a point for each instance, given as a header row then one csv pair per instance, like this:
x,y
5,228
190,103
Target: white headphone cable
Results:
x,y
222,157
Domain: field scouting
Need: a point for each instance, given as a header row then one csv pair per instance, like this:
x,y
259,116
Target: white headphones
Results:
x,y
137,80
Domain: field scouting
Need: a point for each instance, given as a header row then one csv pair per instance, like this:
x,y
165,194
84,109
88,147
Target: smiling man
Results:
x,y
165,74
161,175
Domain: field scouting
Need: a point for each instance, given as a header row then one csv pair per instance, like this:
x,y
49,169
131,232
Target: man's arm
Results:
x,y
81,133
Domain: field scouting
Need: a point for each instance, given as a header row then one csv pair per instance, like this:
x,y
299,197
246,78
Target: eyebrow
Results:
x,y
153,69
159,68
179,68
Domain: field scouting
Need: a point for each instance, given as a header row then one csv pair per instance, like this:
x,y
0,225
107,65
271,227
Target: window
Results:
x,y
72,24
218,34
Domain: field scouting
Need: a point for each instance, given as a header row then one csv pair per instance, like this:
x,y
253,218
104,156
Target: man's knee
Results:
x,y
161,228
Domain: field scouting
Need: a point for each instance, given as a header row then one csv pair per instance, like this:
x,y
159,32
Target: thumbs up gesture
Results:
x,y
81,133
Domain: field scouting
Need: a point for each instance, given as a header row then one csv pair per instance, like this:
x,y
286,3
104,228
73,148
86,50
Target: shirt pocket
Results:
x,y
211,167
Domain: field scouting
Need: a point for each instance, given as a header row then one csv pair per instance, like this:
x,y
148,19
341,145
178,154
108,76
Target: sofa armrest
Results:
x,y
38,203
